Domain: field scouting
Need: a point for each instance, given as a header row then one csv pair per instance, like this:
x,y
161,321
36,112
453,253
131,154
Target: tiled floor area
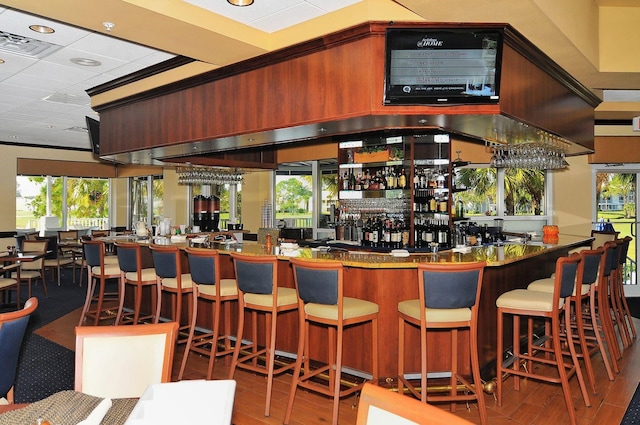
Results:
x,y
535,404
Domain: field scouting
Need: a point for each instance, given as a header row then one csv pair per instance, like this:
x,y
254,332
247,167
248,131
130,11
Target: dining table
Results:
x,y
68,407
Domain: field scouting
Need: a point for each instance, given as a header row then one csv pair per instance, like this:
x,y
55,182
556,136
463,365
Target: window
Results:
x,y
76,203
517,195
146,199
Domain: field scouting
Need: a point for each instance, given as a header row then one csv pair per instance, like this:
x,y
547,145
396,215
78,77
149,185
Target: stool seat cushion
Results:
x,y
147,275
522,299
26,274
546,285
58,262
172,282
286,296
411,308
6,282
351,308
227,287
109,270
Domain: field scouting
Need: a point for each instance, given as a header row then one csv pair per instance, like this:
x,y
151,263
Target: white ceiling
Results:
x,y
43,102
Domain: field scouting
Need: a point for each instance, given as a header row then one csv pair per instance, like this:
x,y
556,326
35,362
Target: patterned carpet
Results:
x,y
44,366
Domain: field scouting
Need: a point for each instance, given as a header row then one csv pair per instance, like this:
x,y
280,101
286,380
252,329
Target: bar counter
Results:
x,y
387,280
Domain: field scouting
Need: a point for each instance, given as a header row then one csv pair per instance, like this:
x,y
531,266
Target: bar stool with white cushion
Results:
x,y
586,279
167,263
321,302
98,273
204,267
258,292
549,308
132,273
448,301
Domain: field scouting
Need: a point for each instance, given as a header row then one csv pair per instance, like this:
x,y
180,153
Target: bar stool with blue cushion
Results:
x,y
586,279
258,292
448,301
321,302
98,273
549,308
168,266
204,267
132,273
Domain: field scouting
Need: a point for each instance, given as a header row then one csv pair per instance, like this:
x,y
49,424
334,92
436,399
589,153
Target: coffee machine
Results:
x,y
206,213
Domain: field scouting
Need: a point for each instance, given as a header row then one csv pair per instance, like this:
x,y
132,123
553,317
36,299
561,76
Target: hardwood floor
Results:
x,y
535,403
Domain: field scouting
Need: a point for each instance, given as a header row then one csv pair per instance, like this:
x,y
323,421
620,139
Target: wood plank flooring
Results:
x,y
535,403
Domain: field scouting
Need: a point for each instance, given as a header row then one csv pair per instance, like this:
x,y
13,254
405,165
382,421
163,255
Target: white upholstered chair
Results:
x,y
121,361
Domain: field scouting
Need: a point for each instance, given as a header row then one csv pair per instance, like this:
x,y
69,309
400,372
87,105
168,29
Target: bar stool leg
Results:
x,y
192,329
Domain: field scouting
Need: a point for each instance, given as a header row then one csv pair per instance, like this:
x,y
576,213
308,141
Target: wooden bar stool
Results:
x,y
586,279
320,301
98,272
613,301
168,266
629,329
449,295
549,308
132,273
204,267
258,292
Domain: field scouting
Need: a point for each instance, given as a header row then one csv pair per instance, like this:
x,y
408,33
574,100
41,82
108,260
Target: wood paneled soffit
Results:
x,y
329,87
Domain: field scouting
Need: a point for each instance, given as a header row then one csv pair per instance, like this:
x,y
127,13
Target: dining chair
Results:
x,y
32,270
54,260
381,406
121,361
8,283
12,329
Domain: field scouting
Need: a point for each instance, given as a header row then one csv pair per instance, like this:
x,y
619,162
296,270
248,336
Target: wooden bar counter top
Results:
x,y
387,280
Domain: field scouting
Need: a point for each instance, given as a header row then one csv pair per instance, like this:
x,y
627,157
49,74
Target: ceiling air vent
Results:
x,y
25,46
69,99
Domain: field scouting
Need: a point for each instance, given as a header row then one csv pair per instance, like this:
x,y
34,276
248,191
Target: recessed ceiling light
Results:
x,y
42,29
1,61
85,62
240,2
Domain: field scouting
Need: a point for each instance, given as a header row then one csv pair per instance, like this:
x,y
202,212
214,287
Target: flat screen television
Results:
x,y
442,66
93,126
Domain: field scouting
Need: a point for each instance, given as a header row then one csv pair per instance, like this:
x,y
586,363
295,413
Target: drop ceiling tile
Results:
x,y
331,5
63,57
13,64
18,23
23,80
287,17
64,73
98,44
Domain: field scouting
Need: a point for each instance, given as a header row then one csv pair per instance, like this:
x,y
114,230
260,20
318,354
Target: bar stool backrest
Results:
x,y
319,286
624,249
609,253
93,252
591,260
567,270
128,256
166,261
204,266
614,259
450,287
255,277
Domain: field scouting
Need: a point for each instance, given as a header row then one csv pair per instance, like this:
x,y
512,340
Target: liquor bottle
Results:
x,y
402,180
352,181
443,203
433,203
366,181
345,181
